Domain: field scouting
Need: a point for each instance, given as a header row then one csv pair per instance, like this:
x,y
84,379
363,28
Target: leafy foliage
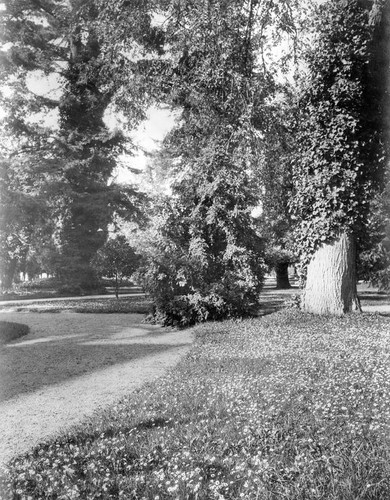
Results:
x,y
76,155
23,220
197,280
117,259
274,179
11,331
212,74
374,257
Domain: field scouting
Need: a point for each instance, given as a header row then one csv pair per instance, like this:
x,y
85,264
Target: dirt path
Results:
x,y
72,364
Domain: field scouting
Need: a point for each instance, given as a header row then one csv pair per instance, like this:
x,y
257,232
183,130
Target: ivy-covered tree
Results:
x,y
342,146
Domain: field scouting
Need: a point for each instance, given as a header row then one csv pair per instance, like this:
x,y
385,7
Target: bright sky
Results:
x,y
147,138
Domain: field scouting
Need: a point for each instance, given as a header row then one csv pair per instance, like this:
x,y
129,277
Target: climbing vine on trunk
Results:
x,y
342,141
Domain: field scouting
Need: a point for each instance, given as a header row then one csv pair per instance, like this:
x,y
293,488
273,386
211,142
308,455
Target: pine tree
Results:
x,y
67,39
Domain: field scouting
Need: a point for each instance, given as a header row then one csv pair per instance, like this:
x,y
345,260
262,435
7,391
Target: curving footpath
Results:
x,y
29,418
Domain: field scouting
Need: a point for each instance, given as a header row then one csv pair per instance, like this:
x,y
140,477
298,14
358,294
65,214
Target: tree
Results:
x,y
23,220
118,260
214,76
342,146
77,156
274,178
374,251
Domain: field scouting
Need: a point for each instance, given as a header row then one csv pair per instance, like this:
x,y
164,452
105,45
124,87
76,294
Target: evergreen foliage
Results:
x,y
192,280
77,157
214,76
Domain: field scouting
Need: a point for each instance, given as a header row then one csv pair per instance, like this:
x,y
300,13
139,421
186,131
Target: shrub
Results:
x,y
12,331
195,279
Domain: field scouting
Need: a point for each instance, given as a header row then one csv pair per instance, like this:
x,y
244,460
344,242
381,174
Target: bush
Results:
x,y
12,331
37,284
219,303
110,282
210,273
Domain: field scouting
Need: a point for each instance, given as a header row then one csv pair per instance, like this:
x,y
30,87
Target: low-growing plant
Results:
x,y
133,305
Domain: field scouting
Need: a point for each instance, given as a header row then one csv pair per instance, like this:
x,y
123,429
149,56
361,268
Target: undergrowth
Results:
x,y
290,406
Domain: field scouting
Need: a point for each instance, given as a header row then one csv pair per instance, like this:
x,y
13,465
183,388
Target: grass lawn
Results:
x,y
288,406
136,305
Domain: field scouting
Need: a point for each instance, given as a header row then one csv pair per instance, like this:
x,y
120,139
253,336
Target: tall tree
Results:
x,y
342,146
67,39
215,74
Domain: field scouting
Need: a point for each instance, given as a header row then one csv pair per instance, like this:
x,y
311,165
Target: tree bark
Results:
x,y
282,281
331,279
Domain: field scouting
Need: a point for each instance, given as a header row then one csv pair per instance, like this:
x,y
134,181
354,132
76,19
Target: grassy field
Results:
x,y
288,406
103,305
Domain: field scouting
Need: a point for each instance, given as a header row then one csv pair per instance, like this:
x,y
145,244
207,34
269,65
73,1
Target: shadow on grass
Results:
x,y
374,296
50,363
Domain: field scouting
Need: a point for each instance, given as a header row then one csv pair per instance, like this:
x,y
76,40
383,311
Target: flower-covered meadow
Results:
x,y
289,406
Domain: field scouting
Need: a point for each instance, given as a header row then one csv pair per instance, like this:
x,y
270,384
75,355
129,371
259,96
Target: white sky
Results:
x,y
147,138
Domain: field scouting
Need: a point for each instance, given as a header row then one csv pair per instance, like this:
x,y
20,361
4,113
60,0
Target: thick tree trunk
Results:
x,y
282,281
331,279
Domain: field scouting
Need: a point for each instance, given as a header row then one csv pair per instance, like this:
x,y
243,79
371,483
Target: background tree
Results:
x,y
374,255
116,259
274,177
342,154
20,210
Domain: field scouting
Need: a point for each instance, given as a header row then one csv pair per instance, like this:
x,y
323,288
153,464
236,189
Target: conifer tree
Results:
x,y
78,156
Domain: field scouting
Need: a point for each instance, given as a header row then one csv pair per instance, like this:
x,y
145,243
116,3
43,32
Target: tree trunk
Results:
x,y
116,286
331,279
8,274
282,281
